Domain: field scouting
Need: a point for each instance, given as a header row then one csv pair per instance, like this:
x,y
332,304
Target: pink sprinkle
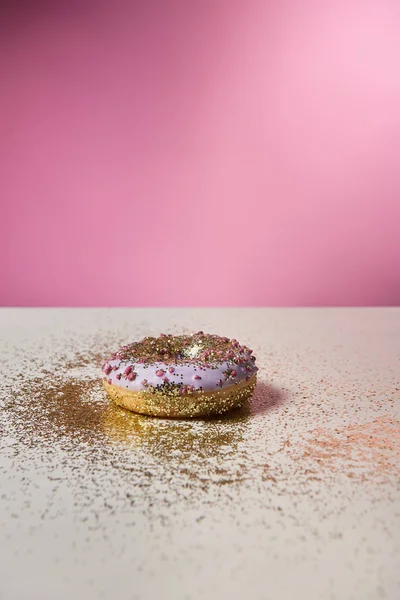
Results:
x,y
144,382
197,377
132,376
109,382
208,366
140,361
127,370
171,369
165,380
250,351
107,370
233,373
160,373
119,376
249,368
200,333
162,335
191,388
183,389
219,382
115,368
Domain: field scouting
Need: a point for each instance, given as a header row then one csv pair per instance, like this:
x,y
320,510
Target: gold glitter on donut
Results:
x,y
160,403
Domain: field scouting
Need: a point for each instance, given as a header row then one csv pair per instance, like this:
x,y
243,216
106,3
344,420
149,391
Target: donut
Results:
x,y
181,376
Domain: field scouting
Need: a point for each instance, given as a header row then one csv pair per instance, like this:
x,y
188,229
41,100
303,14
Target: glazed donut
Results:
x,y
181,376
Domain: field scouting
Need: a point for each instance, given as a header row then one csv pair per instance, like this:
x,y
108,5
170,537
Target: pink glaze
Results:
x,y
138,374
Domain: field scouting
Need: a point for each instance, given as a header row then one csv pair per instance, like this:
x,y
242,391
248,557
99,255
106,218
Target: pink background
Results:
x,y
200,153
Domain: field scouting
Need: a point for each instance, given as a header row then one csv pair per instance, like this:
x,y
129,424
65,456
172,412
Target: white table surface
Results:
x,y
297,496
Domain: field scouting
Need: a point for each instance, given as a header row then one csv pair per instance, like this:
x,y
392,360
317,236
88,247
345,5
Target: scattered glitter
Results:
x,y
309,464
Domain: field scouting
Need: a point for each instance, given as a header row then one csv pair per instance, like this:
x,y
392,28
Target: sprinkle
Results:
x,y
132,376
107,370
171,369
118,376
197,377
233,373
160,373
127,370
165,380
109,382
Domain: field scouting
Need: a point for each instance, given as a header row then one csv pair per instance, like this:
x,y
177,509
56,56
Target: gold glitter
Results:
x,y
61,407
205,348
167,438
64,408
162,403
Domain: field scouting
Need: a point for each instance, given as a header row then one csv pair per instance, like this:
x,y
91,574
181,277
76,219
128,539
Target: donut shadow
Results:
x,y
266,397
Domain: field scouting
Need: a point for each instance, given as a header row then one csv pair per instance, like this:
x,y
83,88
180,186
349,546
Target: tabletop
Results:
x,y
295,495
